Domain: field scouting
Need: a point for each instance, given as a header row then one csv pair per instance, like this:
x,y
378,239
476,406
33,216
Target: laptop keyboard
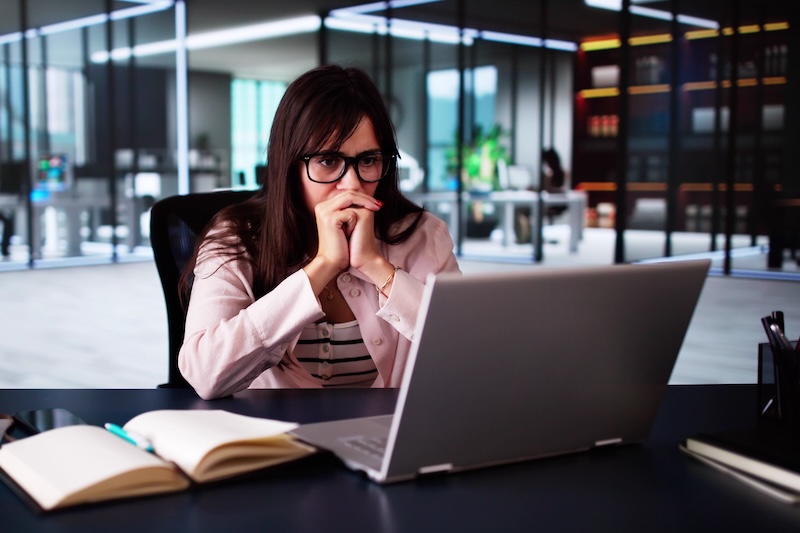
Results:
x,y
372,446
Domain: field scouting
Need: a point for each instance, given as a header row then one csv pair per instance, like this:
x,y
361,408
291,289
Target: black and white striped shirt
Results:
x,y
335,355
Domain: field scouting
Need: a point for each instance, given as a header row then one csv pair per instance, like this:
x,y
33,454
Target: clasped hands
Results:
x,y
346,238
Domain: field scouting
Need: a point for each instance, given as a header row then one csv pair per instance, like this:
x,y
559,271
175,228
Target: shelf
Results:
x,y
614,42
688,141
758,74
640,186
611,92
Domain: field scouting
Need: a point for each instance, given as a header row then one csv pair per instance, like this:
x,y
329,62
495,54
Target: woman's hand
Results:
x,y
346,235
335,223
363,247
364,253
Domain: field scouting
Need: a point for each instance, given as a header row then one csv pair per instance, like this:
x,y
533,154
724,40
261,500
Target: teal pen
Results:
x,y
133,438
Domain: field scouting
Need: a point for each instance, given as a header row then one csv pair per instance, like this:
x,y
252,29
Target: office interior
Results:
x,y
87,145
95,143
670,118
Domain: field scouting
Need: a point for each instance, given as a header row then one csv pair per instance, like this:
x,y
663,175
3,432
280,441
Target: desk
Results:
x,y
643,487
73,207
575,201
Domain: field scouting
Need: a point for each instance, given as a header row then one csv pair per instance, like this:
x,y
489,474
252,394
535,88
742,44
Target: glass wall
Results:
x,y
680,132
253,105
468,100
670,134
85,145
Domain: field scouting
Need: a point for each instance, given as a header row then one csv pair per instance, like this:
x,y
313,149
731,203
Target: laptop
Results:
x,y
513,366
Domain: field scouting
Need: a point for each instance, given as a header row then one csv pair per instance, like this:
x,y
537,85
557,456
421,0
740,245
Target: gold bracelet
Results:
x,y
388,281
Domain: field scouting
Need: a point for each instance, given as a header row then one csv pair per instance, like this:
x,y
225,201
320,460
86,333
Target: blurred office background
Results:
x,y
672,120
669,117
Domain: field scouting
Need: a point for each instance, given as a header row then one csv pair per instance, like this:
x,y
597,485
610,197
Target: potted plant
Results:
x,y
479,175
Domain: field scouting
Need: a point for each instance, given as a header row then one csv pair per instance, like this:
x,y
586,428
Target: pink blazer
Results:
x,y
233,341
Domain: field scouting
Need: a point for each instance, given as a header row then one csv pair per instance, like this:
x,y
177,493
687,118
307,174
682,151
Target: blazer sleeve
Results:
x,y
428,251
230,337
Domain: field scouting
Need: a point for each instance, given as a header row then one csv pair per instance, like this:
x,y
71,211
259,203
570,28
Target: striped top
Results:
x,y
335,355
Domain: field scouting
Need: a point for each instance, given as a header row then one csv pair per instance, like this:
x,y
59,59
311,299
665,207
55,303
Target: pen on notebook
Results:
x,y
135,439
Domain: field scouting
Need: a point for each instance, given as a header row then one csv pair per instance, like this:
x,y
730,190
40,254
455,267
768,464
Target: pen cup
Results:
x,y
779,387
767,385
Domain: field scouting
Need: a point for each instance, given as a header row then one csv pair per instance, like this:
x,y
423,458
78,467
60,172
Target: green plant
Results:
x,y
202,141
480,156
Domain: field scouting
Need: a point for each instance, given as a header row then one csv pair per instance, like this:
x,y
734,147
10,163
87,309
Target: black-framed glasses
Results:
x,y
328,168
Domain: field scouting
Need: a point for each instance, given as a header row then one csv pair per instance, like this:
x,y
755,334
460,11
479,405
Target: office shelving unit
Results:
x,y
705,80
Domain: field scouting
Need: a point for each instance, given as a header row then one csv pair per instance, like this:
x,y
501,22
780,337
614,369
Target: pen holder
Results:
x,y
779,387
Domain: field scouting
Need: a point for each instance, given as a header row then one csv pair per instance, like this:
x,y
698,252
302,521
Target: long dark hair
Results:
x,y
550,157
320,109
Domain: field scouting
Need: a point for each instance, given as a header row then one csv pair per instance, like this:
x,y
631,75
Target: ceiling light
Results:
x,y
511,38
10,38
616,5
355,26
699,22
255,32
556,44
355,19
93,20
241,34
74,24
375,7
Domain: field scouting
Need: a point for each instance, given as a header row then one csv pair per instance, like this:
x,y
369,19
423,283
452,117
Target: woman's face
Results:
x,y
362,140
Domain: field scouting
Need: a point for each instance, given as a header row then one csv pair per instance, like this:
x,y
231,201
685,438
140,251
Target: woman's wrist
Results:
x,y
381,273
385,287
320,273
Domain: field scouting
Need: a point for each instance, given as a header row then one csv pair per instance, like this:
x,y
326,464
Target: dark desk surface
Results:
x,y
643,487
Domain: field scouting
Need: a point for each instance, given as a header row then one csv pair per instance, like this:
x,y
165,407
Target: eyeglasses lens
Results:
x,y
329,168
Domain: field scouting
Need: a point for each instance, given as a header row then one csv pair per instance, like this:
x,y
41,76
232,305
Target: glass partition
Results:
x,y
701,117
684,155
75,127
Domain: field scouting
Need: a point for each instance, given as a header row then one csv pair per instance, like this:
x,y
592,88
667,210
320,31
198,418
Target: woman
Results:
x,y
554,173
315,281
554,183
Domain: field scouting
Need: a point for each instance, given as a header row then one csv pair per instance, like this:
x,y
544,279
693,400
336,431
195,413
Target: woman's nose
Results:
x,y
350,180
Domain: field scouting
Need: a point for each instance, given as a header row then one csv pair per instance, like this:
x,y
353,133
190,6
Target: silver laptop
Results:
x,y
514,366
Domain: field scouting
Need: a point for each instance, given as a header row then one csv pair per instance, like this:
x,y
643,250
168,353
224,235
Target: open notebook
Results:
x,y
514,366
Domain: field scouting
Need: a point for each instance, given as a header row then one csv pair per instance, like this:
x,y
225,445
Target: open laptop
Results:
x,y
507,367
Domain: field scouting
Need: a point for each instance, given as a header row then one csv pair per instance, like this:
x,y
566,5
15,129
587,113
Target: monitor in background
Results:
x,y
11,175
521,178
53,173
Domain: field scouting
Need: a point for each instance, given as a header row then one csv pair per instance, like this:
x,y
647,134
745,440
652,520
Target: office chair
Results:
x,y
175,223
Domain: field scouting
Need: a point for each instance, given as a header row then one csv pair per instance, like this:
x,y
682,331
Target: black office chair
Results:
x,y
175,223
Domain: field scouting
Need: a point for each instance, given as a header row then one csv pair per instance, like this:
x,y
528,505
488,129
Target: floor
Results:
x,y
105,326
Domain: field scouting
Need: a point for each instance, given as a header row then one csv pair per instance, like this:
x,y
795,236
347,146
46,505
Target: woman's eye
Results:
x,y
369,160
327,161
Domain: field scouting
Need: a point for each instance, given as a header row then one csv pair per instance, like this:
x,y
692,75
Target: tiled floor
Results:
x,y
105,326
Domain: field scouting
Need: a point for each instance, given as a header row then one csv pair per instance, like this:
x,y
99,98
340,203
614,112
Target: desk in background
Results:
x,y
73,206
642,487
574,201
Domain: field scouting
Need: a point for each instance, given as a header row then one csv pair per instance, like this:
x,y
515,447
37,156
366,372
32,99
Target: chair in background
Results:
x,y
175,223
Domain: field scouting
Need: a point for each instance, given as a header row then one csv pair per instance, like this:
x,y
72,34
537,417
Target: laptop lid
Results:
x,y
520,365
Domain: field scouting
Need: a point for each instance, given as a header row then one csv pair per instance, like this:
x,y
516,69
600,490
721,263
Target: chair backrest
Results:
x,y
175,223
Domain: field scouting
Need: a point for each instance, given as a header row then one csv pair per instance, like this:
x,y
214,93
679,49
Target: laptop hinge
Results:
x,y
432,469
608,442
